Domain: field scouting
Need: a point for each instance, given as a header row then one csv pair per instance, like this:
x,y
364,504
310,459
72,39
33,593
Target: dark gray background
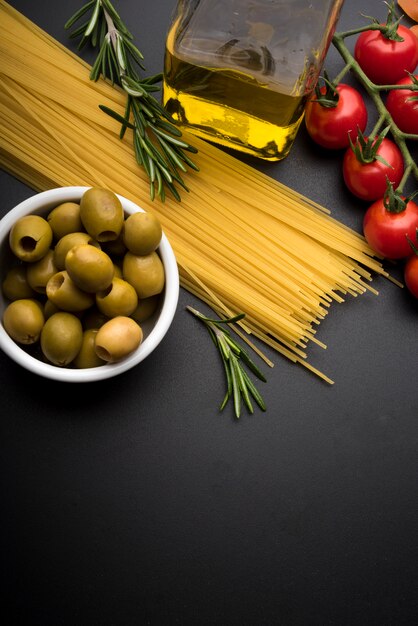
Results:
x,y
135,502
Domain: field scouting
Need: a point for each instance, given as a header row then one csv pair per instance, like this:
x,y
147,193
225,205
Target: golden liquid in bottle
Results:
x,y
231,108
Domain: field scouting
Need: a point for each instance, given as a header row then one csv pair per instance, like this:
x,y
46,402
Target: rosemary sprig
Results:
x,y
239,384
157,142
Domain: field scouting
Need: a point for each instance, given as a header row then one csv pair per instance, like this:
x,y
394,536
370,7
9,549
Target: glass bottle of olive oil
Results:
x,y
239,72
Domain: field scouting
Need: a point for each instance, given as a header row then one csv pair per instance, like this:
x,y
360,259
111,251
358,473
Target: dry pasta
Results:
x,y
243,241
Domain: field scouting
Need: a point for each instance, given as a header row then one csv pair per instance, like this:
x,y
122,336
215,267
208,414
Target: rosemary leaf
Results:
x,y
79,14
251,365
93,20
174,158
235,387
137,54
98,64
242,384
151,80
125,123
132,87
168,127
159,182
189,162
254,392
173,190
234,347
80,30
151,169
228,380
116,116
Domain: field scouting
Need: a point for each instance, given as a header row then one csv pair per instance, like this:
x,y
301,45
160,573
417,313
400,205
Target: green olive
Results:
x,y
145,273
115,248
67,242
87,356
94,318
117,271
142,233
66,295
23,320
101,213
118,299
118,338
61,338
40,272
146,307
65,219
90,268
30,238
15,284
50,308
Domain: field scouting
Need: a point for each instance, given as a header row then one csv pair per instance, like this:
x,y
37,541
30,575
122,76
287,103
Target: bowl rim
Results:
x,y
55,196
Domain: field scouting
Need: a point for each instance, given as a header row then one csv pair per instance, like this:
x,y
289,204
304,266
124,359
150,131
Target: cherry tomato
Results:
x,y
386,232
329,126
368,181
410,7
411,275
403,110
383,60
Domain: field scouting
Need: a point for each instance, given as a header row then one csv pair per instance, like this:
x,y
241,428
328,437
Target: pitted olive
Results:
x,y
90,268
93,319
64,293
118,299
40,272
142,233
145,273
87,356
23,320
117,271
61,338
146,307
115,248
30,238
101,213
118,338
50,308
67,242
65,219
15,285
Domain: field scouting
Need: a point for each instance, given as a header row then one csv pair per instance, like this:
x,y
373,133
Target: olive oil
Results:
x,y
232,107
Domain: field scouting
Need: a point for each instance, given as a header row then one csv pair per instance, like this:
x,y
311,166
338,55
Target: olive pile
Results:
x,y
86,277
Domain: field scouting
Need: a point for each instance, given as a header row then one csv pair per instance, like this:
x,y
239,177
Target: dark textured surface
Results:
x,y
134,502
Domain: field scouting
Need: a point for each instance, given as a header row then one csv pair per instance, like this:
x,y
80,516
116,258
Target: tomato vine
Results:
x,y
376,168
375,91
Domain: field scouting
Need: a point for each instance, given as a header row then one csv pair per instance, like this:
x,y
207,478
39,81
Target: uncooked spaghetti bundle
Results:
x,y
243,241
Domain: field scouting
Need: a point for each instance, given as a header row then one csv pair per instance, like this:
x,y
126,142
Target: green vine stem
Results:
x,y
375,91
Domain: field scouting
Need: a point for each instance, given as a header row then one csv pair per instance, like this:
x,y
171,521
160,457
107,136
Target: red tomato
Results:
x,y
329,126
386,232
383,60
403,110
368,181
411,275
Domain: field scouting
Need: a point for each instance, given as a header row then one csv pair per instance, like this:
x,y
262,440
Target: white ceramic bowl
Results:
x,y
154,329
